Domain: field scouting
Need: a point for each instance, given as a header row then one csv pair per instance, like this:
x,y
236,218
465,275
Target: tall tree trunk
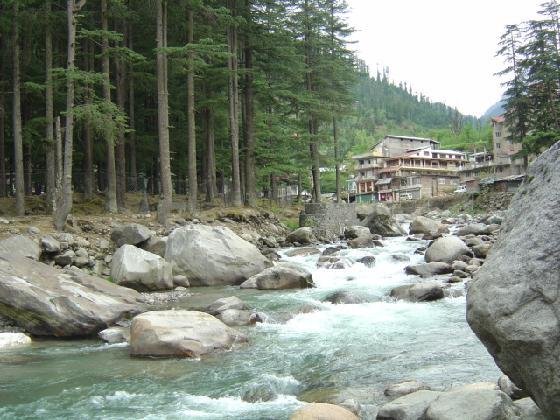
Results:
x,y
2,150
248,94
27,166
16,115
59,160
233,97
315,164
111,194
88,129
120,146
62,213
163,114
191,134
49,113
133,170
336,160
211,188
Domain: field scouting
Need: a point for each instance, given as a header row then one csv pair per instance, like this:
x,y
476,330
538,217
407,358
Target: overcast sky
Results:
x,y
444,48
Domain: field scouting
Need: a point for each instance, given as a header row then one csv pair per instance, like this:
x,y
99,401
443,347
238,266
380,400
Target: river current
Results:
x,y
335,352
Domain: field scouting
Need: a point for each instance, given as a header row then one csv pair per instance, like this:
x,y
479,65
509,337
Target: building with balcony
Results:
x,y
392,171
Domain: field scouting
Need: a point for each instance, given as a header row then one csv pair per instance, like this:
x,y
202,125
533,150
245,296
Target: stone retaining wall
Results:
x,y
328,219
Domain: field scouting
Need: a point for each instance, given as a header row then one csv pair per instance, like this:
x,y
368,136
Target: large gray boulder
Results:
x,y
446,249
474,229
20,246
224,304
404,388
381,222
211,256
302,235
420,292
513,303
180,334
131,234
140,270
50,302
409,407
471,403
424,225
282,276
10,340
429,269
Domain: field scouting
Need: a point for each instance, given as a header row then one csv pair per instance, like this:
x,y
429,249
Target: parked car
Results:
x,y
460,189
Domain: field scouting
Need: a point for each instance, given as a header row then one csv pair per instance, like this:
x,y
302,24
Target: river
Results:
x,y
338,351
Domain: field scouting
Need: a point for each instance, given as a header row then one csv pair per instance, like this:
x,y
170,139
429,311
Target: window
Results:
x,y
498,134
361,162
498,145
362,173
369,161
426,153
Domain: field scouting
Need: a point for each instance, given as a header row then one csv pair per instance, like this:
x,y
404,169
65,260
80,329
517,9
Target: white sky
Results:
x,y
444,48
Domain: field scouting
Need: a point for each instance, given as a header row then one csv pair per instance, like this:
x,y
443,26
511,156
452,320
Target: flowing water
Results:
x,y
335,352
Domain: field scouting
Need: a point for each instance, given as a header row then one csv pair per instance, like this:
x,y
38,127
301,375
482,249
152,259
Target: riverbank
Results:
x,y
307,349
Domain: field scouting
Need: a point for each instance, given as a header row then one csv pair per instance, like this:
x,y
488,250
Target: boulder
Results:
x,y
223,304
467,404
513,301
156,245
400,257
424,225
474,229
65,258
481,251
322,411
211,256
302,235
283,276
259,393
10,340
510,389
250,283
302,252
368,261
20,246
429,269
459,265
408,407
405,388
49,302
420,292
115,335
50,245
343,297
381,222
130,234
370,241
333,250
180,334
354,232
238,317
528,410
140,270
446,249
332,262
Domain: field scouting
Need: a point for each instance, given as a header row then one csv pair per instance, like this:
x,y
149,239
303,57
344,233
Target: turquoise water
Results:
x,y
339,351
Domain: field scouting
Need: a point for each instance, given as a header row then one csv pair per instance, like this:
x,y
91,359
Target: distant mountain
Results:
x,y
494,111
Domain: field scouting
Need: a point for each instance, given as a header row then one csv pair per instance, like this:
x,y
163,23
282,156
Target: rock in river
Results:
x,y
282,276
321,411
140,270
211,256
47,301
180,334
446,249
420,292
513,302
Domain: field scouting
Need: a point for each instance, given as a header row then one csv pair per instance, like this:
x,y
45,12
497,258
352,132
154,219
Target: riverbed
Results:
x,y
305,349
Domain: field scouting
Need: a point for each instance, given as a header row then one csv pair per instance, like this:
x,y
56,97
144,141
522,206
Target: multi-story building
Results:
x,y
404,168
505,148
